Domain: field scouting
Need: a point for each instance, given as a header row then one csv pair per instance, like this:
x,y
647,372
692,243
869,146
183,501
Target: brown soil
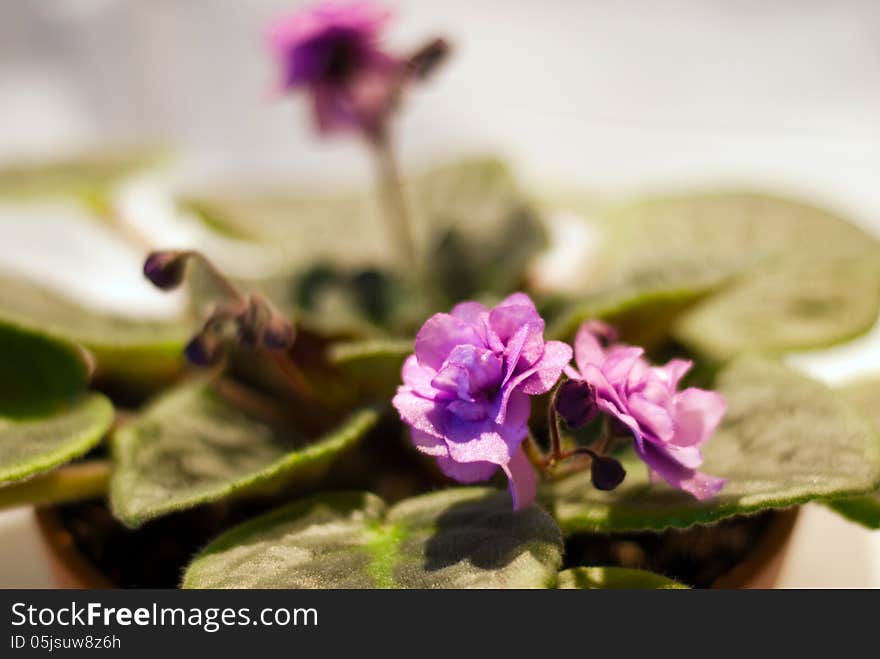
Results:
x,y
155,555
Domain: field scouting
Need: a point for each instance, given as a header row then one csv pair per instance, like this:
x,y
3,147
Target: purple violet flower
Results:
x,y
465,392
668,425
332,51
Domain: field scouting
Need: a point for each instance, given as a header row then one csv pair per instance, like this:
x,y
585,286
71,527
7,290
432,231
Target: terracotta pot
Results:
x,y
68,566
762,565
760,568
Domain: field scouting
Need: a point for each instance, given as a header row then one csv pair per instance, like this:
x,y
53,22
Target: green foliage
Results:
x,y
716,274
46,419
131,351
475,226
372,366
38,375
198,444
87,178
726,266
41,443
455,538
864,395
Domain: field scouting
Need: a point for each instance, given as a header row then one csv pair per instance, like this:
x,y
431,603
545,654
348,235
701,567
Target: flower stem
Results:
x,y
580,450
254,403
299,384
553,421
598,448
397,216
605,438
218,277
534,453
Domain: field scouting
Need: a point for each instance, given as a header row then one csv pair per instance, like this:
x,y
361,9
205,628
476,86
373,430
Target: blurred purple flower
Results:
x,y
668,425
332,51
465,392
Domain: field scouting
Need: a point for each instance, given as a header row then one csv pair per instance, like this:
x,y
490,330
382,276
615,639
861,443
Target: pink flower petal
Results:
x,y
548,370
619,361
674,371
676,474
467,472
473,313
697,415
518,299
428,444
489,440
702,486
653,419
509,318
588,351
417,377
521,480
440,335
419,413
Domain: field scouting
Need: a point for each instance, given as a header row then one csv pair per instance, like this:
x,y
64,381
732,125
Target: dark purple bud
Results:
x,y
606,473
248,334
166,269
278,333
427,58
251,322
204,349
574,403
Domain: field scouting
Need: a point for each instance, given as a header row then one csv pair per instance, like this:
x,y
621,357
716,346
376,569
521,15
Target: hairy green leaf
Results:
x,y
86,479
723,266
615,578
29,446
864,395
46,418
195,445
825,291
801,302
474,227
478,194
640,315
785,440
130,350
864,510
372,366
455,538
38,374
84,178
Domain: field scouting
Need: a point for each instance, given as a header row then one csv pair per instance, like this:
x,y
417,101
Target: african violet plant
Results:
x,y
337,414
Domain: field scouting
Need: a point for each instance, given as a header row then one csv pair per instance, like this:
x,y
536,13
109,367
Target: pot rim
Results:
x,y
67,562
759,568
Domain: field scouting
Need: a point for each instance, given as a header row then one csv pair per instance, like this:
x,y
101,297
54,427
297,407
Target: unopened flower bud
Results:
x,y
606,473
166,269
249,328
278,333
204,349
574,403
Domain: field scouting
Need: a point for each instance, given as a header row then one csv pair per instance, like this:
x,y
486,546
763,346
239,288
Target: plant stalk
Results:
x,y
397,215
555,439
